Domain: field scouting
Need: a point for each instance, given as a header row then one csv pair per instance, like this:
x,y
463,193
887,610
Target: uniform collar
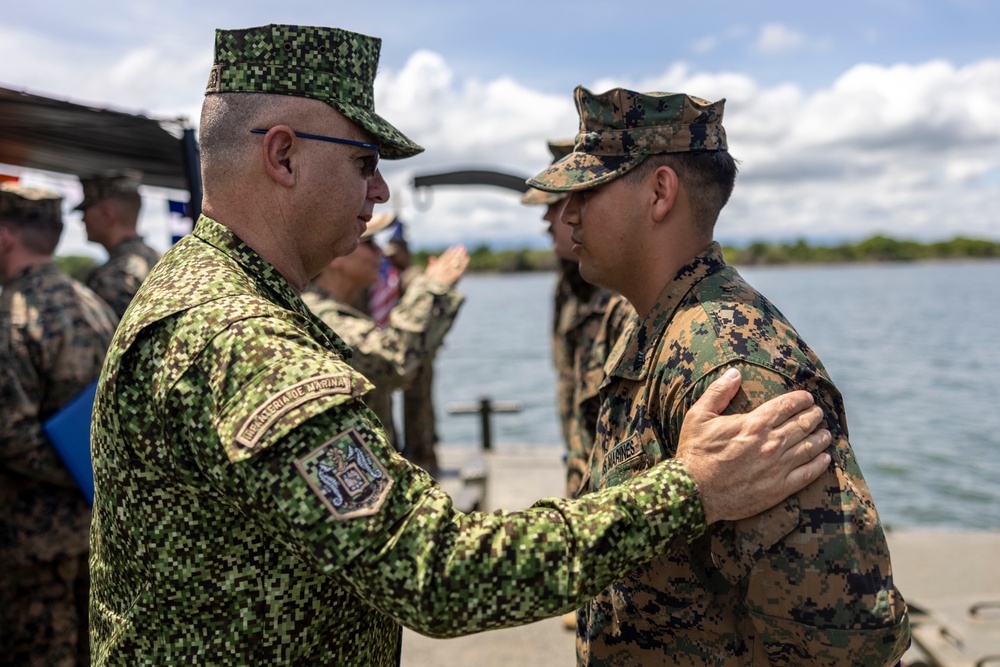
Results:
x,y
224,239
269,278
632,358
29,272
126,243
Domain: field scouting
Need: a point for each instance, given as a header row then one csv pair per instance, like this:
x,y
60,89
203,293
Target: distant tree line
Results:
x,y
760,253
874,249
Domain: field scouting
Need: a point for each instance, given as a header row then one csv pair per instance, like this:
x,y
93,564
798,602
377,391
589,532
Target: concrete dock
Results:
x,y
943,573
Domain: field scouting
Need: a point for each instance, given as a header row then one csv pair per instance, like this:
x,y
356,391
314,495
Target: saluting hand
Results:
x,y
450,266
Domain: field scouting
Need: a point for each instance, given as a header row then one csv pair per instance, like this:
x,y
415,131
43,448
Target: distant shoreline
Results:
x,y
876,249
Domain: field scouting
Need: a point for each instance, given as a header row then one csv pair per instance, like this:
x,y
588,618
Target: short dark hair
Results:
x,y
40,236
708,178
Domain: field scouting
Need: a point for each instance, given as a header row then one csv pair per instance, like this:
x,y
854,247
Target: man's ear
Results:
x,y
279,146
665,185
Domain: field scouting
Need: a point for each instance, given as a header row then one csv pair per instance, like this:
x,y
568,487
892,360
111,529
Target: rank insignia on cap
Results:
x,y
346,476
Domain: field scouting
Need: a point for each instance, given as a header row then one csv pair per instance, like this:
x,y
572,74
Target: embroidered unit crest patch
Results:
x,y
346,476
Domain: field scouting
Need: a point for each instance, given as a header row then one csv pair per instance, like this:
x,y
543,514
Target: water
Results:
x,y
912,347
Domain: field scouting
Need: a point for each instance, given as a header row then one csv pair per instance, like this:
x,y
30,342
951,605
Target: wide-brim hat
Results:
x,y
328,64
620,128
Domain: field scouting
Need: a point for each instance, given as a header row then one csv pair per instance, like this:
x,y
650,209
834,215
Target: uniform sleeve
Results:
x,y
24,449
310,465
428,306
815,572
391,357
366,516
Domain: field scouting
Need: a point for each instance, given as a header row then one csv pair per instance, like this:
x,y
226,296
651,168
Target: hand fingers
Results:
x,y
799,426
779,410
808,449
806,474
718,394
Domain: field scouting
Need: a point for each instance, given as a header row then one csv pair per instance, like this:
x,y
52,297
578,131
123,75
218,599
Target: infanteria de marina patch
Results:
x,y
346,476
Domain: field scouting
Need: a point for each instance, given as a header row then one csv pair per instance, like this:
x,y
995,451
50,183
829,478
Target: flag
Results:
x,y
180,220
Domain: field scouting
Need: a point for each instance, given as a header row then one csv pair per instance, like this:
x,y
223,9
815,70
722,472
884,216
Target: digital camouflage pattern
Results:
x,y
617,315
326,64
30,205
108,184
578,319
117,280
390,358
559,149
249,509
53,336
419,420
620,128
806,583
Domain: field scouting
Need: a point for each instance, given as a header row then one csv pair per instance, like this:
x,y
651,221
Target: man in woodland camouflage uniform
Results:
x,y
248,508
389,358
110,206
578,313
806,583
54,333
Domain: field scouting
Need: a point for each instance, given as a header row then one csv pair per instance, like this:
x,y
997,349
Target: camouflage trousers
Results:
x,y
419,427
43,614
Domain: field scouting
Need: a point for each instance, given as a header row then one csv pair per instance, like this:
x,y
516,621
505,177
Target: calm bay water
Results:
x,y
912,347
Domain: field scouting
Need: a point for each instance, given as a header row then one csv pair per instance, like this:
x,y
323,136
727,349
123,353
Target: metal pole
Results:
x,y
192,169
484,412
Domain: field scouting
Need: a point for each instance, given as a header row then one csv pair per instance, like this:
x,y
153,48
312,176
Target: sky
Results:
x,y
849,119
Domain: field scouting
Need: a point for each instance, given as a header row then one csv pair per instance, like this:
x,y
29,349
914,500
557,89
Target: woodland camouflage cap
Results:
x,y
559,150
326,64
108,184
621,128
30,205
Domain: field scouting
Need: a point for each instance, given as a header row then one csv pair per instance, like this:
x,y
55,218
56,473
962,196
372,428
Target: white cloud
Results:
x,y
779,38
911,149
705,45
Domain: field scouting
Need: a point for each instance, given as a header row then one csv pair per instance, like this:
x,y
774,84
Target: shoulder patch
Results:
x,y
349,480
287,399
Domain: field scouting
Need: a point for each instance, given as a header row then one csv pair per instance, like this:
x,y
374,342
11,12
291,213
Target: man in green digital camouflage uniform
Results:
x,y
54,333
389,358
248,509
806,583
111,204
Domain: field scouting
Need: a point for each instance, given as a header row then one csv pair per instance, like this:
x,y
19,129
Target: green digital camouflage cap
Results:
x,y
33,206
621,128
559,150
326,64
108,184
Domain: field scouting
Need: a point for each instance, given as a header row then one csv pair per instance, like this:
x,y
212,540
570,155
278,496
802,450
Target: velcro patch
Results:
x,y
288,398
346,476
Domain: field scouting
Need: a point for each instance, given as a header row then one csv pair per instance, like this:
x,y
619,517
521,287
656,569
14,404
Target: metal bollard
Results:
x,y
485,407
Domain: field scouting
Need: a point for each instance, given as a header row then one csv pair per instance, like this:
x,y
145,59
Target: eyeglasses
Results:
x,y
371,161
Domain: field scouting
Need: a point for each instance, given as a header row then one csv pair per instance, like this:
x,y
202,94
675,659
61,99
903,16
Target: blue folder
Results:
x,y
69,432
